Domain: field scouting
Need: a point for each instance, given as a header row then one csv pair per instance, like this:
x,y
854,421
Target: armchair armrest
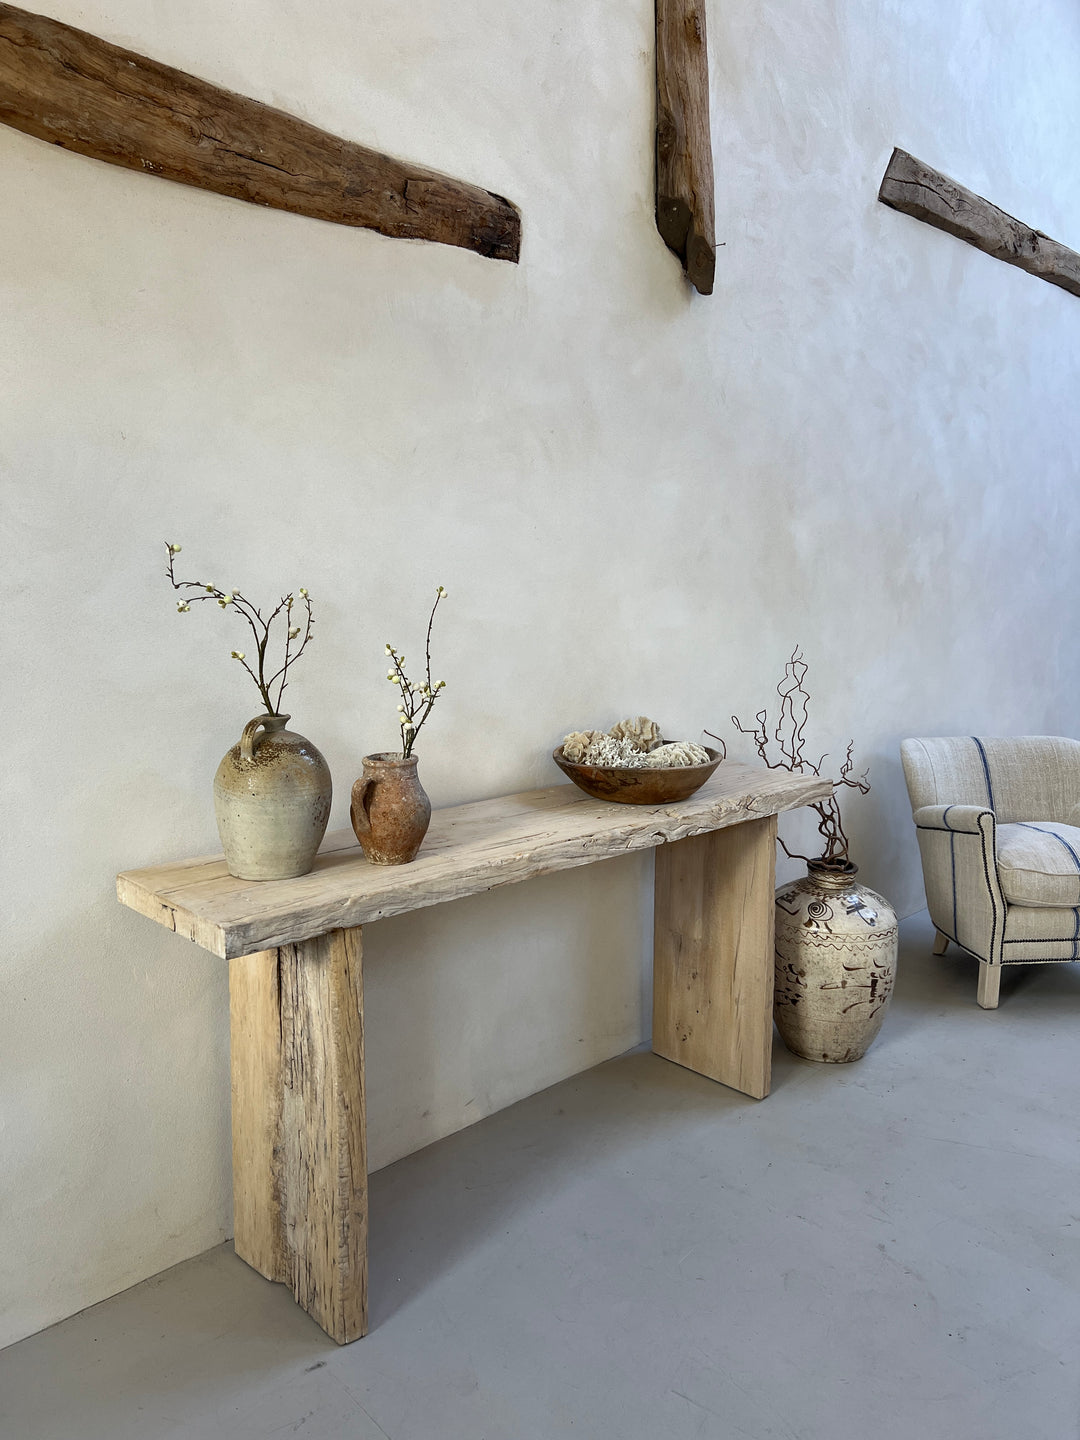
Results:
x,y
959,861
960,819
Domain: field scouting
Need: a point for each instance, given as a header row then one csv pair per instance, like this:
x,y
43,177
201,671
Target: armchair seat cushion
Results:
x,y
1039,864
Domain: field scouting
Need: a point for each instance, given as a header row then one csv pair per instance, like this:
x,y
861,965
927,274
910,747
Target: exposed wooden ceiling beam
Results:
x,y
917,189
684,163
82,93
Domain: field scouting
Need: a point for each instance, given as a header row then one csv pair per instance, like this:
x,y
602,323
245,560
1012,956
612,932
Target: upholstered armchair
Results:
x,y
999,830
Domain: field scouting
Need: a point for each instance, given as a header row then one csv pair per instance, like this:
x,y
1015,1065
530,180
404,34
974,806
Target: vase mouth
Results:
x,y
275,721
390,758
831,874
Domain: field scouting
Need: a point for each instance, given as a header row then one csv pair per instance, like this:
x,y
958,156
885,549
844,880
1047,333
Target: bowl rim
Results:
x,y
715,759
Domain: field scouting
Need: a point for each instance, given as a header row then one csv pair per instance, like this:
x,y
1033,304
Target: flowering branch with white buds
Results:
x,y
416,701
260,627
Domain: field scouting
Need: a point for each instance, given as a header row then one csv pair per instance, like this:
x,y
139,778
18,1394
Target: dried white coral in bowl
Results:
x,y
613,752
642,733
576,745
635,744
677,752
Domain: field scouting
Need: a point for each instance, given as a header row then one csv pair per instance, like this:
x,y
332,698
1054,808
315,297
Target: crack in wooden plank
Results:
x,y
917,189
83,94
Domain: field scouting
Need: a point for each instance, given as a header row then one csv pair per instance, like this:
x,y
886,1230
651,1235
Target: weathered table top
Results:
x,y
469,849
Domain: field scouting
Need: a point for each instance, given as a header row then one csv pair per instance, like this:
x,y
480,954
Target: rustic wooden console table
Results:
x,y
296,990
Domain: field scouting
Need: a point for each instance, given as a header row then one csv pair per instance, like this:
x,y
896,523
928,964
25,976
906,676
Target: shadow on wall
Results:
x,y
471,1006
123,1079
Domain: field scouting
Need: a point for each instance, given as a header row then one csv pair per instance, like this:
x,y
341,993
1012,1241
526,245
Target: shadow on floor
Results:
x,y
510,1162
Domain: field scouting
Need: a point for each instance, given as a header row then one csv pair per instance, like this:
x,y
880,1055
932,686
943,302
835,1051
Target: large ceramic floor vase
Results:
x,y
835,963
272,796
390,809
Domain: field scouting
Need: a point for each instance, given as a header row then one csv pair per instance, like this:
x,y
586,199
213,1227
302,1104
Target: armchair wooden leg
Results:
x,y
989,985
941,943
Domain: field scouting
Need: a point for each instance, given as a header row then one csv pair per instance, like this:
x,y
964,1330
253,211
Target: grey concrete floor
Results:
x,y
881,1251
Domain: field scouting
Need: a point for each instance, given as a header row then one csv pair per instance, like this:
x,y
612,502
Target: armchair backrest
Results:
x,y
1025,777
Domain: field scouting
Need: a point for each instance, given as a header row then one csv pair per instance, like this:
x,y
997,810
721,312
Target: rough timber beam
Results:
x,y
918,190
684,164
78,91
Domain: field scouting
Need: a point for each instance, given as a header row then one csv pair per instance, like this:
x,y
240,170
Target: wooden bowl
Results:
x,y
626,785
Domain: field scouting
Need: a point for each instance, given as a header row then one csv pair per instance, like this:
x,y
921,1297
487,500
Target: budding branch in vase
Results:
x,y
416,702
790,737
192,591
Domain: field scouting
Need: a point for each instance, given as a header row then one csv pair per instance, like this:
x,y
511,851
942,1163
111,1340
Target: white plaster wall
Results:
x,y
638,499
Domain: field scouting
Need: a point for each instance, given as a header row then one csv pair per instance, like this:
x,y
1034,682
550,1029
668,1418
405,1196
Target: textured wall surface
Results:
x,y
638,499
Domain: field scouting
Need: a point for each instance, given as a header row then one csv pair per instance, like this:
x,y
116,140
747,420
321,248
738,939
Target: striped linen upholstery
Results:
x,y
998,822
1039,864
1031,777
1041,934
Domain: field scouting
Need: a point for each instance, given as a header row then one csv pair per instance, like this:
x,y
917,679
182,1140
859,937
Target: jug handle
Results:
x,y
361,821
248,743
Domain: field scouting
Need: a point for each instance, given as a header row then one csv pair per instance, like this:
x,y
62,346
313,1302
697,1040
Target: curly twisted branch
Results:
x,y
790,737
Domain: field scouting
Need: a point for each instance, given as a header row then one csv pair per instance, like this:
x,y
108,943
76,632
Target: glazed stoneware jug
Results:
x,y
835,963
272,795
390,809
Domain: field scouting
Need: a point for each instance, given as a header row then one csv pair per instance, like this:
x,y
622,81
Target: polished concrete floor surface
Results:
x,y
880,1251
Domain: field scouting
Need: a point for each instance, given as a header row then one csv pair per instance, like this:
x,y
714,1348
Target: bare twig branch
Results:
x,y
789,737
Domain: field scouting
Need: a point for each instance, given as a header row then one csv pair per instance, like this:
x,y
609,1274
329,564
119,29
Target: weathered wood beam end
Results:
x,y
685,205
77,91
916,189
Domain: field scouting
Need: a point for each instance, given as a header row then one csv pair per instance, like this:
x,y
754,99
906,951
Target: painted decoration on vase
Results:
x,y
836,945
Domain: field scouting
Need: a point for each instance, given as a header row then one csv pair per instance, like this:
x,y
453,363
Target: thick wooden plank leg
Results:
x,y
989,985
323,1148
299,1152
255,1026
713,954
941,943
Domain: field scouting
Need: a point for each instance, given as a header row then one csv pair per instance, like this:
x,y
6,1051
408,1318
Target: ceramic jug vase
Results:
x,y
390,809
835,963
272,797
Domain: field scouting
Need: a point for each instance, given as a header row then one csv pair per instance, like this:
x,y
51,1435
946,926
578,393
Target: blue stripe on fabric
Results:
x,y
952,857
986,772
1028,825
1054,939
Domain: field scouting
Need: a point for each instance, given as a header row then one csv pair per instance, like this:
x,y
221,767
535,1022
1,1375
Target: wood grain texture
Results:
x,y
255,1050
323,1160
919,190
78,91
469,849
685,206
989,992
713,955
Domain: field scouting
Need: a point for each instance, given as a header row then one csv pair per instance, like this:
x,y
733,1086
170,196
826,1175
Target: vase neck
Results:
x,y
830,874
390,760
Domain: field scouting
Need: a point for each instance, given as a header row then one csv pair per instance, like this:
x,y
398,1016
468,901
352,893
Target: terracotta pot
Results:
x,y
272,795
835,963
390,812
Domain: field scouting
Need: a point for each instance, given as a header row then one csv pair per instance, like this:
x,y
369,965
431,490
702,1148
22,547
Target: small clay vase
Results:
x,y
272,795
390,811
